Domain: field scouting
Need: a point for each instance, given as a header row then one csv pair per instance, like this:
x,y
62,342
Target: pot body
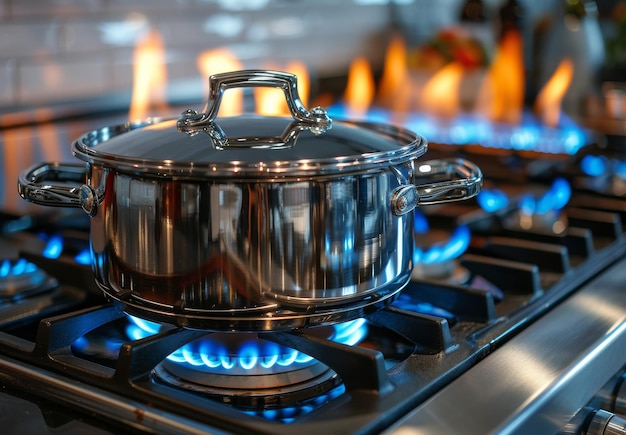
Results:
x,y
253,223
240,247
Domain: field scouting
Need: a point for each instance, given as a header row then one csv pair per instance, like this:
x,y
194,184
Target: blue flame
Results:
x,y
492,200
140,328
20,267
420,223
554,199
574,139
83,257
251,354
594,165
5,268
53,248
527,205
448,250
289,413
350,333
405,302
81,343
620,169
466,128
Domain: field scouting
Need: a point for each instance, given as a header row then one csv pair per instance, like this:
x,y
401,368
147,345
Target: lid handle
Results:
x,y
316,120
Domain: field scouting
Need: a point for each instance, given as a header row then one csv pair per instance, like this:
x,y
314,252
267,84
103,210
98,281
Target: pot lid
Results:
x,y
309,143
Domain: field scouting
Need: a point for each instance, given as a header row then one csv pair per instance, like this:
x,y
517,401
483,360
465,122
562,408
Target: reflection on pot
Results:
x,y
231,245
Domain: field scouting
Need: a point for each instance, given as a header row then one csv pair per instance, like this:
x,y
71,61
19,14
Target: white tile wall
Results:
x,y
64,77
7,72
54,50
51,50
49,8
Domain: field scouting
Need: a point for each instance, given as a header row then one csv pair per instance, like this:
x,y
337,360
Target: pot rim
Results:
x,y
87,148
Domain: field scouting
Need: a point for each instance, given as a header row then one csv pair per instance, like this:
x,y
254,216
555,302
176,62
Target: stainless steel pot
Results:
x,y
251,222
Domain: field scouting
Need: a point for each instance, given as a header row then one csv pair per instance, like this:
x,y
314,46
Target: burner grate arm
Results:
x,y
359,368
138,358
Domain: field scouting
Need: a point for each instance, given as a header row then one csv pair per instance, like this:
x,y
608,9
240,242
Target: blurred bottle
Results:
x,y
473,11
615,70
509,18
574,34
473,20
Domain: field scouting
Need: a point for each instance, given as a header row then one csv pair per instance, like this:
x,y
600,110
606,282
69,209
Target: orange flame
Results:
x,y
395,84
218,61
272,102
304,80
441,92
548,102
17,150
149,76
360,88
501,97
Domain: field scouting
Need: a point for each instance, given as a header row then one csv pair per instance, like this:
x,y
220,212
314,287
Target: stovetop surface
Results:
x,y
517,269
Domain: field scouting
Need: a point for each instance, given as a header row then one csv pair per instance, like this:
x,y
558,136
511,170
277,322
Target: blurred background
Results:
x,y
525,75
57,51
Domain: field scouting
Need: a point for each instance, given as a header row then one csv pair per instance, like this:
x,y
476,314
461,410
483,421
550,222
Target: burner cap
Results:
x,y
20,278
254,392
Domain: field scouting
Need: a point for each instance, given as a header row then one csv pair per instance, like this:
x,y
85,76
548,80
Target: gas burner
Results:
x,y
20,278
246,354
539,213
552,200
492,200
463,129
237,368
552,222
246,371
269,391
603,174
56,245
603,165
437,252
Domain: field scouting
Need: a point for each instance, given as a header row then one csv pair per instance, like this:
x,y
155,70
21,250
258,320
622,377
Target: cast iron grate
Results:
x,y
531,269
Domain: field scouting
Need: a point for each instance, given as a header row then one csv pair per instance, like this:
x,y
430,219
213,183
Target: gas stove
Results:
x,y
514,321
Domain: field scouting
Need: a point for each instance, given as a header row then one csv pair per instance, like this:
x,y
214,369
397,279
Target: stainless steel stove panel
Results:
x,y
541,378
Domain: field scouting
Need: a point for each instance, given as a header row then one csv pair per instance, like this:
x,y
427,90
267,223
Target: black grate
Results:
x,y
512,274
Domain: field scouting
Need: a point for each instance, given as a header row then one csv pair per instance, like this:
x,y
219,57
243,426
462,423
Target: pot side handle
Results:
x,y
456,180
36,185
